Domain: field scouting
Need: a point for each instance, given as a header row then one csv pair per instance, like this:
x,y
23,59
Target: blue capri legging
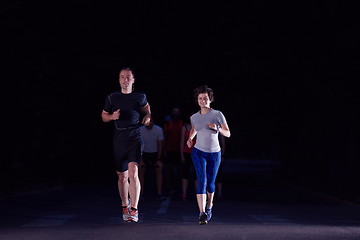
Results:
x,y
206,166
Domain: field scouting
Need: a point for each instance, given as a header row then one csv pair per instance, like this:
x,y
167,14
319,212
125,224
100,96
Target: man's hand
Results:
x,y
116,115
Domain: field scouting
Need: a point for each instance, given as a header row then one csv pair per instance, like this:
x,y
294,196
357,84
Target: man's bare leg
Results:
x,y
123,186
134,186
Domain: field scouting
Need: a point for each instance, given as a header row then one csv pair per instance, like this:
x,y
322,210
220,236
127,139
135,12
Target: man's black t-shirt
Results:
x,y
130,111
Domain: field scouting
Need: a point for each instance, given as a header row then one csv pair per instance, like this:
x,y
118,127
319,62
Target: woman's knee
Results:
x,y
201,187
210,187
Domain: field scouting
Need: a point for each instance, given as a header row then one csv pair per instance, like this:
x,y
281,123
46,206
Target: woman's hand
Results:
x,y
189,143
213,126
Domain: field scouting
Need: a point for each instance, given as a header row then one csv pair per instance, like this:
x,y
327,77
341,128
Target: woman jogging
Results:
x,y
206,124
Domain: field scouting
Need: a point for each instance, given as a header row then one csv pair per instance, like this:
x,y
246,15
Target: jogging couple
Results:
x,y
128,109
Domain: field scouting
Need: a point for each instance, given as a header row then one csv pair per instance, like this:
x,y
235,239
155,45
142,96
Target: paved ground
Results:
x,y
248,211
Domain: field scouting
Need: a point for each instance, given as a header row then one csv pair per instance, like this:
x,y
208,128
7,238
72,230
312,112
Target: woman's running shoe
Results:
x,y
208,211
203,218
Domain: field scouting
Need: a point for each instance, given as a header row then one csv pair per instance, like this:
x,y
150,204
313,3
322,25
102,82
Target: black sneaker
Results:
x,y
203,218
208,211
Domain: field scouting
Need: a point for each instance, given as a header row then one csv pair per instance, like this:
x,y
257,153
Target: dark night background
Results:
x,y
284,74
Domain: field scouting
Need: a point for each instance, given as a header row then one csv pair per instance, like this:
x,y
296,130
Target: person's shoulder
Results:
x,y
215,111
194,114
139,93
141,96
114,93
157,126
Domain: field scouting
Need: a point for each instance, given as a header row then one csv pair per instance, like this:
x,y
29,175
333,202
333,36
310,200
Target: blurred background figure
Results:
x,y
187,166
153,137
172,131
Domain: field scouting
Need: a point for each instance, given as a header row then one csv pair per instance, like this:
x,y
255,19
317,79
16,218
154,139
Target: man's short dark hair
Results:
x,y
128,69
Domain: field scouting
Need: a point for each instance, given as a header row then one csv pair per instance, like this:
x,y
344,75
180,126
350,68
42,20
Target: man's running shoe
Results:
x,y
133,215
126,211
208,211
203,218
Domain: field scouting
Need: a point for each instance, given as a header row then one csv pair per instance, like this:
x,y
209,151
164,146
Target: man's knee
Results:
x,y
133,173
133,177
123,176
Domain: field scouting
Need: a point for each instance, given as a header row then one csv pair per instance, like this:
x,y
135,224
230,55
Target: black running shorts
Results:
x,y
126,151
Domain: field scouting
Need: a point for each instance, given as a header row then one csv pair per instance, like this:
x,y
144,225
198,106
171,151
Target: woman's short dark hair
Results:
x,y
204,89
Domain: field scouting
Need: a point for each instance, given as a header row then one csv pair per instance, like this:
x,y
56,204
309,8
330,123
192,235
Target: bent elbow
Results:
x,y
103,118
